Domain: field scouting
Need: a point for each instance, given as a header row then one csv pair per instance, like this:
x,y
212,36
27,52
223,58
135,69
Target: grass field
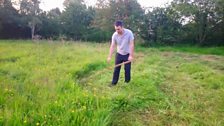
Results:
x,y
54,83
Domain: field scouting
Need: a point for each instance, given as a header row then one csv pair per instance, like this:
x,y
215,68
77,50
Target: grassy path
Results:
x,y
168,88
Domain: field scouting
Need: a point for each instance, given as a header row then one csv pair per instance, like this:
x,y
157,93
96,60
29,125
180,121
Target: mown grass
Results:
x,y
45,83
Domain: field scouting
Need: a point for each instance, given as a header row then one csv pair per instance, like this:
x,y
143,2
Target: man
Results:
x,y
124,40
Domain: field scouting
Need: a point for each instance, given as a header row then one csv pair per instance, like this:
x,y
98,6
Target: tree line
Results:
x,y
198,22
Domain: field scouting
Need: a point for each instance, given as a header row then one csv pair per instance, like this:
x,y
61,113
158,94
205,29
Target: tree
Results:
x,y
103,19
130,11
108,11
76,19
30,11
51,24
10,21
160,26
202,16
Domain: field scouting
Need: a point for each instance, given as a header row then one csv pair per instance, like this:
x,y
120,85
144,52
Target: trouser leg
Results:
x,y
116,73
127,69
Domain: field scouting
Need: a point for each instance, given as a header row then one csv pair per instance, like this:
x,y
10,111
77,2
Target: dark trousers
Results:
x,y
127,68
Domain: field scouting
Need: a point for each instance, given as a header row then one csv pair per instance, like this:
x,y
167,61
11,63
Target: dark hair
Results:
x,y
118,23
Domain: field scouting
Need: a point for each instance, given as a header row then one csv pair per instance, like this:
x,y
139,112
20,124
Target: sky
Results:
x,y
49,4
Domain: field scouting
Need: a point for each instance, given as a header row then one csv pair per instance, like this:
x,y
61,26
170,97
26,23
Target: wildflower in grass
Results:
x,y
24,121
85,94
70,74
84,107
73,111
45,116
37,123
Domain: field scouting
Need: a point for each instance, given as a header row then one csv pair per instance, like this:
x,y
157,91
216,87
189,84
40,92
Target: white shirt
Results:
x,y
123,41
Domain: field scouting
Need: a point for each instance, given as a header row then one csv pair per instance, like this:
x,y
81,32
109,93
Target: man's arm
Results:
x,y
131,56
112,47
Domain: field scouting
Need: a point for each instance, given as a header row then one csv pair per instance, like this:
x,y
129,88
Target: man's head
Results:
x,y
118,25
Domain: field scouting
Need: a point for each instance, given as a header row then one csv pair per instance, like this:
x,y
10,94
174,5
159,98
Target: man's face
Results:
x,y
119,29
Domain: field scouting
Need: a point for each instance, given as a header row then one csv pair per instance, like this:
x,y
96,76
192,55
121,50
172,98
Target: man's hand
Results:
x,y
108,59
130,58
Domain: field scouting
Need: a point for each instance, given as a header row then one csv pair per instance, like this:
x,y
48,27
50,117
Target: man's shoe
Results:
x,y
112,85
126,82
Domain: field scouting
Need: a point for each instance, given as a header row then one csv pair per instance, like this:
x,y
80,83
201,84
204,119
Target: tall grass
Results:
x,y
45,83
38,86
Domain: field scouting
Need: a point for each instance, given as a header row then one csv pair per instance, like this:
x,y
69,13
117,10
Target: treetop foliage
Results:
x,y
183,21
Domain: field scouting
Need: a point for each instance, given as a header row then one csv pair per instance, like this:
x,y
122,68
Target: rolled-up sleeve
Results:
x,y
113,40
132,37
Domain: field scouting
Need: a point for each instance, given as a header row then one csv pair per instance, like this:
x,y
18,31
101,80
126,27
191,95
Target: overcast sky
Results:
x,y
49,4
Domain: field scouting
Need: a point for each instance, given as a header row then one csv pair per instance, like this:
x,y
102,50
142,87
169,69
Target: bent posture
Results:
x,y
124,40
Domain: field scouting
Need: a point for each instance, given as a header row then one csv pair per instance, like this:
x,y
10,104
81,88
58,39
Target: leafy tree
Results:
x,y
51,24
103,19
201,16
159,26
30,11
10,21
76,19
131,12
108,11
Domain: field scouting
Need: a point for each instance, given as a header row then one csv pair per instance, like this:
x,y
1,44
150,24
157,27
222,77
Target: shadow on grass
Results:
x,y
88,69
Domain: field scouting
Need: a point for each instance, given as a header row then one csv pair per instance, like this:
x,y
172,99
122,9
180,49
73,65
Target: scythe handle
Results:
x,y
126,62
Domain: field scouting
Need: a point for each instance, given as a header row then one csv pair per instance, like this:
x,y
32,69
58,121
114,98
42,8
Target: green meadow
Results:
x,y
66,83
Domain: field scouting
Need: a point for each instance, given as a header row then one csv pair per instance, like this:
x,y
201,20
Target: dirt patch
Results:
x,y
190,57
210,58
168,54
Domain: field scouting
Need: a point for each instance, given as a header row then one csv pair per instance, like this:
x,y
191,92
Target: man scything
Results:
x,y
124,40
